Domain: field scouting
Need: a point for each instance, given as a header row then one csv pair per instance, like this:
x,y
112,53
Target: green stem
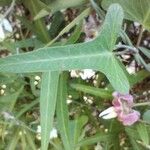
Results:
x,y
129,48
141,104
139,37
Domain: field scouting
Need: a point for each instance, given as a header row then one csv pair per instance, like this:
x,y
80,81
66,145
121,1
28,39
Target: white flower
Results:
x,y
74,74
108,113
4,26
37,78
131,67
53,134
98,147
136,24
69,101
7,116
87,74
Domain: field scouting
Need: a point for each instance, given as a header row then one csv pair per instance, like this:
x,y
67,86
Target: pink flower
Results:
x,y
122,109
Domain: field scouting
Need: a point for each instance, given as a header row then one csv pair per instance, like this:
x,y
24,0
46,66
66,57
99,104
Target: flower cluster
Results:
x,y
122,109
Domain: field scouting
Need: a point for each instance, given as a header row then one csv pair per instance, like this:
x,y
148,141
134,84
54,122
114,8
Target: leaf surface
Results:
x,y
135,10
96,55
47,104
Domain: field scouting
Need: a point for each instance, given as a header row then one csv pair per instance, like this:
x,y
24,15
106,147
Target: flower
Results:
x,y
4,26
87,74
122,109
53,133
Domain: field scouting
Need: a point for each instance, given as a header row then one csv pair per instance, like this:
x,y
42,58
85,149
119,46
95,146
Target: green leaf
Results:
x,y
56,25
146,116
92,90
75,127
25,43
62,112
135,10
47,104
7,2
14,142
58,5
145,51
30,140
39,25
7,78
26,108
75,35
95,54
138,77
77,20
94,139
143,133
133,136
8,102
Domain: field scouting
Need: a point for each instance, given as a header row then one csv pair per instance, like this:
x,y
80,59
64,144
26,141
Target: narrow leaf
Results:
x,y
143,133
47,104
62,112
92,90
94,139
145,51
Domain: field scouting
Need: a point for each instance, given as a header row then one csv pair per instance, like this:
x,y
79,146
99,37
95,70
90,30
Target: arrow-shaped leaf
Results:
x,y
95,54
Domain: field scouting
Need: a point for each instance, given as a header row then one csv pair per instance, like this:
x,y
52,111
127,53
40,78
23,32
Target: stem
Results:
x,y
141,104
139,37
8,10
128,49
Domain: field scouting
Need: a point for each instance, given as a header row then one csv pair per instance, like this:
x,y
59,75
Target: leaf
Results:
x,y
7,2
143,133
26,108
30,140
58,5
141,61
14,142
56,25
75,35
47,104
77,20
95,54
25,43
146,116
133,136
75,127
62,112
135,10
7,78
92,90
94,139
145,51
138,77
8,102
39,25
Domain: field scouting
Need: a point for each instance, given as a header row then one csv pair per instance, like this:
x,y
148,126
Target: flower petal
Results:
x,y
110,115
107,111
130,118
7,25
2,34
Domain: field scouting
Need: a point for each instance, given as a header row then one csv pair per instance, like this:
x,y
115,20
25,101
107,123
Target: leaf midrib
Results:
x,y
97,54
